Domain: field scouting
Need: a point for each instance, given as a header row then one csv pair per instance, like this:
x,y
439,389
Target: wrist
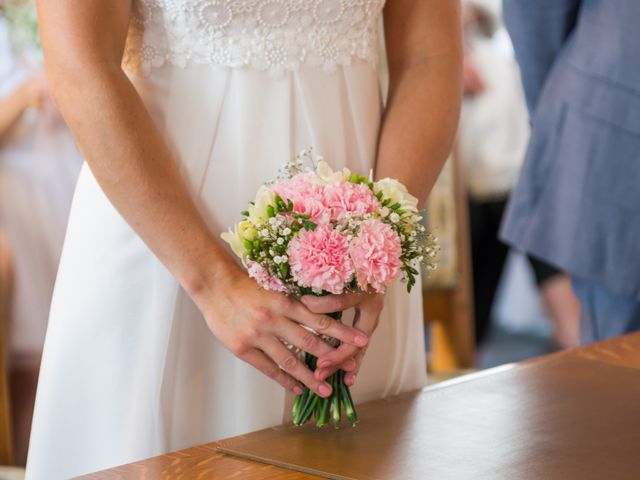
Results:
x,y
214,273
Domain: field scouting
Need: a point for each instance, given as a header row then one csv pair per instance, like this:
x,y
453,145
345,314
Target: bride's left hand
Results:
x,y
368,307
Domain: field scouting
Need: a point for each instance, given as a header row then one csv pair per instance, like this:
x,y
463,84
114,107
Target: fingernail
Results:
x,y
298,390
361,340
324,363
324,390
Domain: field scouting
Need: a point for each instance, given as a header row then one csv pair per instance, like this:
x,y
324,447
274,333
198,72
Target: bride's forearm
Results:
x,y
424,48
419,125
133,166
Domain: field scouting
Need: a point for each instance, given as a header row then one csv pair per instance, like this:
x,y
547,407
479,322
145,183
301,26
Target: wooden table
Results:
x,y
205,462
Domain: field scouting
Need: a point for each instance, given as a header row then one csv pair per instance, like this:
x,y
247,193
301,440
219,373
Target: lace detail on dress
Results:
x,y
272,35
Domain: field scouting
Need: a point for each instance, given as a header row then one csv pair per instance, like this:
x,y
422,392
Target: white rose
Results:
x,y
398,193
258,211
326,175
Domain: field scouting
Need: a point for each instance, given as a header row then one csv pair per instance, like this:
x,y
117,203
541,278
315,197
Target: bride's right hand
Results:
x,y
252,323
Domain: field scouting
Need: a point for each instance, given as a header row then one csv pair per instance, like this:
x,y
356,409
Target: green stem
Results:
x,y
323,412
310,409
335,401
349,407
309,403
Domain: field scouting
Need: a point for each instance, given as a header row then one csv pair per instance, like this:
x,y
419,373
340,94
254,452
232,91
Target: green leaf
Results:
x,y
280,203
307,225
284,270
244,213
379,195
271,212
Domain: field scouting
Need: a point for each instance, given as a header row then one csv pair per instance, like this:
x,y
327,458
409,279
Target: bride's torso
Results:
x,y
276,36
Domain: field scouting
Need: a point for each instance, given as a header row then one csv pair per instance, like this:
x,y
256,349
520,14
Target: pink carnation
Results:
x,y
345,197
319,259
264,278
376,253
307,197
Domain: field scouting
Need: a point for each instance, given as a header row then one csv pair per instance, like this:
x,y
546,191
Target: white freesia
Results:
x,y
234,238
258,211
326,174
397,193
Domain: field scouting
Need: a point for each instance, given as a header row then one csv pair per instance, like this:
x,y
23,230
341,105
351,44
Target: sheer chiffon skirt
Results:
x,y
130,369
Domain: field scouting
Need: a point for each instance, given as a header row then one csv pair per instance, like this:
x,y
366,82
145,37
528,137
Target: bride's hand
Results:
x,y
251,322
347,357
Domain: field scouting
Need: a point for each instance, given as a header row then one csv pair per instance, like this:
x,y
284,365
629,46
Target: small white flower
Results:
x,y
394,217
280,241
286,231
272,221
384,211
264,232
276,259
284,258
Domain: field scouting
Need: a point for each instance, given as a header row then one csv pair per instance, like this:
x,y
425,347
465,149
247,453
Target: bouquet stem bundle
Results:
x,y
310,405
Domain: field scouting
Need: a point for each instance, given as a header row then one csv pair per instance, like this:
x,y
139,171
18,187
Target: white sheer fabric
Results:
x,y
130,369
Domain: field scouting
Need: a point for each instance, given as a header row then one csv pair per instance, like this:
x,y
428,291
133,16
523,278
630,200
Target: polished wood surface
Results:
x,y
202,462
6,284
572,415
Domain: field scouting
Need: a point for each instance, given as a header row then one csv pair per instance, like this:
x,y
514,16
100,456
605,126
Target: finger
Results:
x,y
304,339
331,363
268,367
326,325
350,377
290,363
348,366
366,320
332,303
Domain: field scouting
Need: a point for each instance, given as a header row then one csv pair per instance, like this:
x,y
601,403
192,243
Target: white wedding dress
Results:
x,y
237,87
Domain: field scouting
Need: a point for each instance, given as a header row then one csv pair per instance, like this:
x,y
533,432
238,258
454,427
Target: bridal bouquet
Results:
x,y
314,231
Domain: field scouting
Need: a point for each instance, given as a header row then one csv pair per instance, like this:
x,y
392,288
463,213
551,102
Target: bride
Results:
x,y
157,339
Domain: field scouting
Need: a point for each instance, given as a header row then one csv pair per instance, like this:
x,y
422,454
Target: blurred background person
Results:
x,y
493,135
577,205
39,164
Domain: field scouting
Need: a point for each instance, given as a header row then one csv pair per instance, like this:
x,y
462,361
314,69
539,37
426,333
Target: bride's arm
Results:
x,y
83,43
424,49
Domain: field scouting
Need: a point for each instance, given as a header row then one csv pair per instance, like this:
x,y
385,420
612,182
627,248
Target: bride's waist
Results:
x,y
276,60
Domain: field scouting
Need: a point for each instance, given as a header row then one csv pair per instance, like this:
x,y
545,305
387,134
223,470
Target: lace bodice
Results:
x,y
273,35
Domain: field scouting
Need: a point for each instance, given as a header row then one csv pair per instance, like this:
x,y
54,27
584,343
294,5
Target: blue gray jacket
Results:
x,y
577,204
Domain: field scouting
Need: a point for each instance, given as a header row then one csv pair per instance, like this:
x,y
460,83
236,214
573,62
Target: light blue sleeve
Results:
x,y
539,30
